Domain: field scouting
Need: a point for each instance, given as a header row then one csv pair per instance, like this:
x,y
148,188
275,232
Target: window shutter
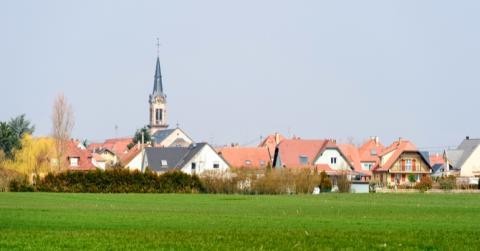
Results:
x,y
414,168
403,165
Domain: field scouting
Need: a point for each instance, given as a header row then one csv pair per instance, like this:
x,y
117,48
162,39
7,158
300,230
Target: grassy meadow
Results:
x,y
224,222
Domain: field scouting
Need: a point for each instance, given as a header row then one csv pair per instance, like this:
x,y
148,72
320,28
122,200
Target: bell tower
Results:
x,y
158,103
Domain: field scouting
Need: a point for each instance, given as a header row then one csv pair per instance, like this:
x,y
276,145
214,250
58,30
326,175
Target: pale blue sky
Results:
x,y
236,70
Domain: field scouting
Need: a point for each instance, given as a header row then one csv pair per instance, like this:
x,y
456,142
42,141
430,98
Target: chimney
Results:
x,y
467,138
277,138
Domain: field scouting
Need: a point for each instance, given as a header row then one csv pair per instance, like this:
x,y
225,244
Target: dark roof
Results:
x,y
157,84
437,167
426,156
161,135
458,156
175,157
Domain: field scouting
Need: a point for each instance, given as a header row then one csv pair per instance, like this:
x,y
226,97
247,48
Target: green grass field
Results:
x,y
225,222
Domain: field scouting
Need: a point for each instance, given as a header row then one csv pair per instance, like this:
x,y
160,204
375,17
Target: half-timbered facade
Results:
x,y
399,161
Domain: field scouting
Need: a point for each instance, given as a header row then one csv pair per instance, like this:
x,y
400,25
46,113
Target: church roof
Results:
x,y
157,84
161,135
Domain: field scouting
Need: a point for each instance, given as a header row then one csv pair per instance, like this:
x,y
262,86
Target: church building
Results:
x,y
162,136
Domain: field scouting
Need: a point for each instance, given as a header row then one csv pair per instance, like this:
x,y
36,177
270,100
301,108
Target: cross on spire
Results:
x,y
158,47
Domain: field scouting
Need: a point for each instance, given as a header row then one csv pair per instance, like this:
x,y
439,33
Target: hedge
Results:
x,y
116,181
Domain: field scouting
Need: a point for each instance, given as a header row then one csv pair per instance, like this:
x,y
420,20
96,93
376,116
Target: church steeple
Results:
x,y
158,101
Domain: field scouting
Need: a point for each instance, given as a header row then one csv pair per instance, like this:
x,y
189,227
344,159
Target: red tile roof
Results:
x,y
290,151
240,156
371,146
396,148
352,154
84,157
117,146
436,159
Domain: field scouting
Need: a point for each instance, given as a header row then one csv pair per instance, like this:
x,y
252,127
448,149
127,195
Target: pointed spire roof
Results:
x,y
157,84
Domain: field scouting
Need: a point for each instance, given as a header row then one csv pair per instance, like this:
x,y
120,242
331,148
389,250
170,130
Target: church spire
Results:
x,y
157,84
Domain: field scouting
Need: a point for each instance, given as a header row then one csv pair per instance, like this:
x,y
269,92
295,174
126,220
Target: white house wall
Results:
x,y
326,156
136,162
204,160
471,167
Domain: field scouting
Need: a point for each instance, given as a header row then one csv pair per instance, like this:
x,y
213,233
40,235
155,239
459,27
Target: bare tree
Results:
x,y
63,122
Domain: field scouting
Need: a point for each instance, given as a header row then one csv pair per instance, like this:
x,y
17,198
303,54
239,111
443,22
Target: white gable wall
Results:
x,y
204,161
136,162
328,154
471,167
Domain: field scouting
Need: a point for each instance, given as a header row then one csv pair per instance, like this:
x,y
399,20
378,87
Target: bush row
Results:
x,y
113,181
275,181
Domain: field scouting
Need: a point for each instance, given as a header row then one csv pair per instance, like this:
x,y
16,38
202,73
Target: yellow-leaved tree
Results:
x,y
34,158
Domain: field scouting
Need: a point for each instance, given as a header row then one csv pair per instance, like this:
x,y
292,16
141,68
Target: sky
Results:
x,y
235,71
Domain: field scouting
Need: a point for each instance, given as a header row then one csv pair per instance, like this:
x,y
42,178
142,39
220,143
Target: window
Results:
x,y
333,160
373,152
216,165
248,162
194,165
158,115
408,165
303,159
164,163
73,161
262,163
367,166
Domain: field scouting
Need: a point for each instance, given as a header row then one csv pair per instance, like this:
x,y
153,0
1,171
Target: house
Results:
x,y
171,138
400,160
352,155
465,159
103,158
194,159
133,160
325,155
369,154
437,162
117,146
248,157
77,157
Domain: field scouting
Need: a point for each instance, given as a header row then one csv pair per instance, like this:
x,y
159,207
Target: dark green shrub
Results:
x,y
325,182
20,185
412,178
120,181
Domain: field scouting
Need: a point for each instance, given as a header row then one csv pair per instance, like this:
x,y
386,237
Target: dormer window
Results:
x,y
163,162
74,162
303,159
248,162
